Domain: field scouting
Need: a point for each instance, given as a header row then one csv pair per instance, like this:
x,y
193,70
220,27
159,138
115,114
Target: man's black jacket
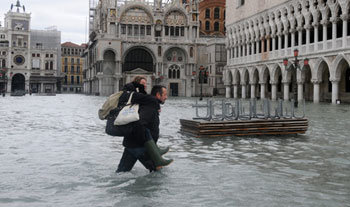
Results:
x,y
148,111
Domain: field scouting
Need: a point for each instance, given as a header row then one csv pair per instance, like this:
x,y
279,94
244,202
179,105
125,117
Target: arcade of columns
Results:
x,y
256,46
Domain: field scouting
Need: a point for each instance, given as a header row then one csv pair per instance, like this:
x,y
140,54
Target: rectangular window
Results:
x,y
72,61
65,61
177,31
136,30
142,30
78,61
78,80
51,65
123,29
148,29
129,30
66,69
166,30
78,69
182,31
72,69
72,79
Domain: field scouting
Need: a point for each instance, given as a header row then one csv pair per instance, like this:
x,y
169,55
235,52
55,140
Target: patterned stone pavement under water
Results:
x,y
54,152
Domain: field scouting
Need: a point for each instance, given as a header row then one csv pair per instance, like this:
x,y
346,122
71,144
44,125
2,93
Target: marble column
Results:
x,y
273,91
300,91
228,91
315,36
286,91
252,90
244,90
324,36
345,28
235,91
334,34
335,91
293,38
300,37
263,90
316,91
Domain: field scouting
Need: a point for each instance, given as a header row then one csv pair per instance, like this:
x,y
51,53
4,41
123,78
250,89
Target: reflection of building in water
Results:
x,y
260,35
159,40
29,57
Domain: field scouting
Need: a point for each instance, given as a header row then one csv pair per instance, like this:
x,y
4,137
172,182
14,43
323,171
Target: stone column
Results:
x,y
299,36
41,87
345,28
324,35
279,42
263,90
257,46
235,91
273,42
285,39
286,91
308,38
316,91
293,38
335,91
244,90
334,33
252,90
228,91
315,36
300,91
273,91
116,85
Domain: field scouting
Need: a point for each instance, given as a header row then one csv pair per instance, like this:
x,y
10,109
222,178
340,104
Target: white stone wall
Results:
x,y
258,44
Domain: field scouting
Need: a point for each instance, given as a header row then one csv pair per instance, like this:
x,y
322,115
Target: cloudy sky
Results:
x,y
69,16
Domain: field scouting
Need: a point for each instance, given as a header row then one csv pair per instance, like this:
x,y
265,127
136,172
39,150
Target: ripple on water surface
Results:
x,y
54,152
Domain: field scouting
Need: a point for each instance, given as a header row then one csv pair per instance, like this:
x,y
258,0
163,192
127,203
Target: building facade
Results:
x,y
72,67
29,58
260,35
158,40
212,18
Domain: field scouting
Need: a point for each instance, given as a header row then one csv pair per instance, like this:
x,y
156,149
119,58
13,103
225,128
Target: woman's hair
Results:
x,y
138,79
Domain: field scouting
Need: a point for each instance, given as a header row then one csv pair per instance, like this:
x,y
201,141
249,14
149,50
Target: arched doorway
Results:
x,y
308,86
18,82
138,58
256,83
344,83
325,85
109,86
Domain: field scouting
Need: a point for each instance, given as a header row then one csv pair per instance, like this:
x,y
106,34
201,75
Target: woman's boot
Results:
x,y
153,152
163,151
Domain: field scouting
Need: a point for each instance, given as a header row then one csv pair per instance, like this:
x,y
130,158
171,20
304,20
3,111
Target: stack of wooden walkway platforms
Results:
x,y
200,128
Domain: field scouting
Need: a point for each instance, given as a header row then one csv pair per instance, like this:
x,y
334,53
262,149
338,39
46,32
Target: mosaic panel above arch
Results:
x,y
175,18
135,16
175,55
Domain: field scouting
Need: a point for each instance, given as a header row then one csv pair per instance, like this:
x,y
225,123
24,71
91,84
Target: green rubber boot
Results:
x,y
155,155
163,151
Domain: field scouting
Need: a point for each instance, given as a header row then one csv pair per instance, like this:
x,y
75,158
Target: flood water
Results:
x,y
54,152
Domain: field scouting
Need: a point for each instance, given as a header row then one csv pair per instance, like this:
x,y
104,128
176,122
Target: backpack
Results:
x,y
110,104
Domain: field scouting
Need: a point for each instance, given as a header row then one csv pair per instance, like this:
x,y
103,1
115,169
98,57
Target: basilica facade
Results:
x,y
260,35
159,40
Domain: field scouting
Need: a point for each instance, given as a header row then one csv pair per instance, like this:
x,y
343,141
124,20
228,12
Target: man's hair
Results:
x,y
138,79
157,89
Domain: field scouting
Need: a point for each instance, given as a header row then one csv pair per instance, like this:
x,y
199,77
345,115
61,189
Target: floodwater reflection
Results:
x,y
54,152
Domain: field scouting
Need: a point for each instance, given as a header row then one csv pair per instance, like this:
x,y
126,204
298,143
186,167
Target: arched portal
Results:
x,y
138,58
308,86
256,83
18,82
325,85
344,83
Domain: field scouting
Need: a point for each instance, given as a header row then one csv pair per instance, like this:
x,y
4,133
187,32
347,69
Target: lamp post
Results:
x,y
294,66
201,79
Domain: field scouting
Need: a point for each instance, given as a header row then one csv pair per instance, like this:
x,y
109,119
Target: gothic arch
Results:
x,y
264,74
235,76
245,76
317,72
337,65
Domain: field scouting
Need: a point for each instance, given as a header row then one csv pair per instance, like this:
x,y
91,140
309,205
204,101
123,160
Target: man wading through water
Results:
x,y
141,143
